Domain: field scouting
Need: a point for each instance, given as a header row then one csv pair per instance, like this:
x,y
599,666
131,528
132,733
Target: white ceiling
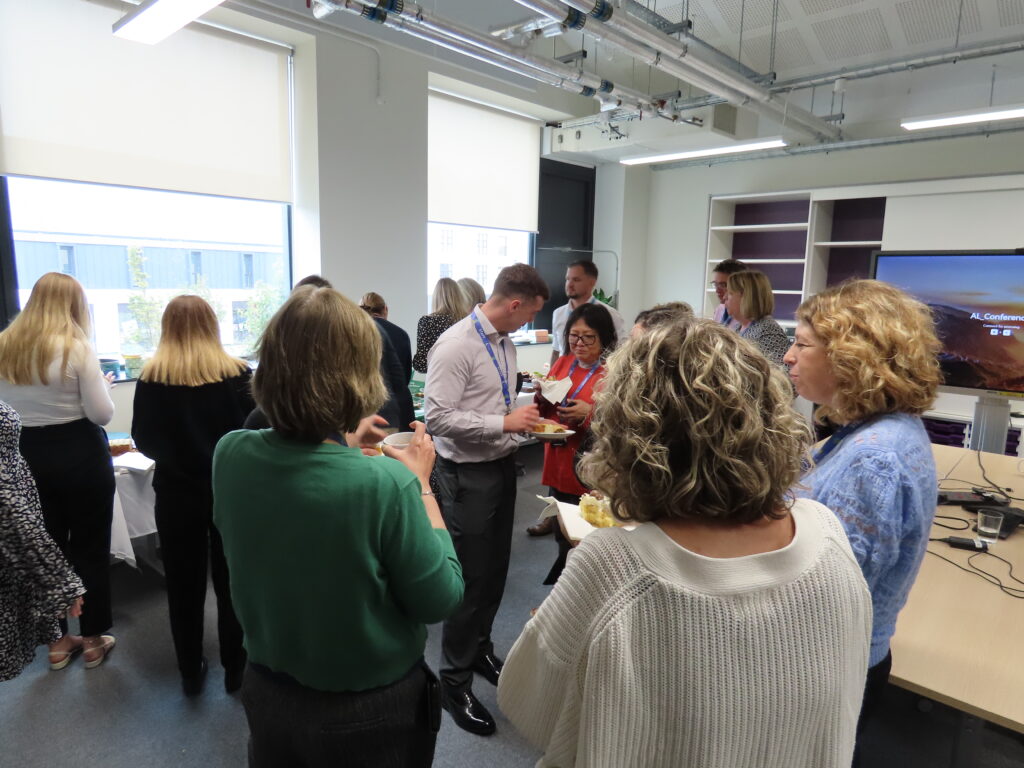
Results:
x,y
812,37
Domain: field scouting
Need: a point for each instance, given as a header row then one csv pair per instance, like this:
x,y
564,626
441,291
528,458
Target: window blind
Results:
x,y
483,166
199,112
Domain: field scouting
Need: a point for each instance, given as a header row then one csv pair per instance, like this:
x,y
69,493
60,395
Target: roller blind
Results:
x,y
198,112
483,166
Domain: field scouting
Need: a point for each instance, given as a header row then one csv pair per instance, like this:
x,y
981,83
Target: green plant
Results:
x,y
604,297
144,310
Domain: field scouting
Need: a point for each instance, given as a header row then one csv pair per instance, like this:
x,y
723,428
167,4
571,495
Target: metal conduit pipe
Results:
x,y
756,97
357,9
414,14
902,65
576,20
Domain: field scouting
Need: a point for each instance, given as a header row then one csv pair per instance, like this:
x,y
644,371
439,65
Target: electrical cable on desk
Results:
x,y
966,524
992,485
991,578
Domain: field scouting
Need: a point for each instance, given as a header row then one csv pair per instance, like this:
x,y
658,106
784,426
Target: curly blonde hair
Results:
x,y
694,423
882,347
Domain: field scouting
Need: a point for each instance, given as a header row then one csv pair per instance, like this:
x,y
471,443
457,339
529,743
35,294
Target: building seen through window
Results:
x,y
134,250
458,251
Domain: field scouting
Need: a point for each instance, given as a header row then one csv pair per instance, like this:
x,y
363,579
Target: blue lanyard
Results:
x,y
837,437
490,351
582,384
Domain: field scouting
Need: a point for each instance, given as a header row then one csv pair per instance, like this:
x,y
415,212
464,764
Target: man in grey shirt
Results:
x,y
470,393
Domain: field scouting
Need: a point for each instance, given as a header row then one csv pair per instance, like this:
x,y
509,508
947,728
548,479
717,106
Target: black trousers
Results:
x,y
292,726
563,543
72,469
188,539
874,686
479,501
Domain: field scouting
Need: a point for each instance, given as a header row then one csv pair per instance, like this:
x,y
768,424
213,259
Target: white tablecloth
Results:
x,y
133,512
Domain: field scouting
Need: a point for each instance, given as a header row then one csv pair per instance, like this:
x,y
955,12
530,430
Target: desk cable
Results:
x,y
991,578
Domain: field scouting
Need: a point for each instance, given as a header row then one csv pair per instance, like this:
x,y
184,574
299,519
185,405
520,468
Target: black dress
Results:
x,y
428,331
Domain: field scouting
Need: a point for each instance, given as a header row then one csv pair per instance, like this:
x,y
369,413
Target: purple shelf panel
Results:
x,y
769,245
844,263
785,212
858,219
783,277
785,306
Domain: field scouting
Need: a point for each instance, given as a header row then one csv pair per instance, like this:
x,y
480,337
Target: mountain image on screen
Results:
x,y
972,357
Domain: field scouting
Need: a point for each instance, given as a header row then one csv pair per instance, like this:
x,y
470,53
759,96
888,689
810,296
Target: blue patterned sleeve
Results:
x,y
869,503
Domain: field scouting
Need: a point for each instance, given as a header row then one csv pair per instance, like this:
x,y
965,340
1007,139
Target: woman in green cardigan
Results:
x,y
338,559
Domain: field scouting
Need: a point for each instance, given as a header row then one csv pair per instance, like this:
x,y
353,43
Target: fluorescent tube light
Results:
x,y
964,118
750,146
154,20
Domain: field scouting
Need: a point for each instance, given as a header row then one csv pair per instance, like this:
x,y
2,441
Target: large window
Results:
x,y
458,251
133,250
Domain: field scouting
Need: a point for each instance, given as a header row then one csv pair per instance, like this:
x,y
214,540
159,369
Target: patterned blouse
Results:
x,y
768,336
428,331
36,582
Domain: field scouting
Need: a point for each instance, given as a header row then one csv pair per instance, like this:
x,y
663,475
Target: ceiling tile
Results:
x,y
929,21
853,35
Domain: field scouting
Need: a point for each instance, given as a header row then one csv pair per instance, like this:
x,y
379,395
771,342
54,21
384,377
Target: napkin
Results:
x,y
555,391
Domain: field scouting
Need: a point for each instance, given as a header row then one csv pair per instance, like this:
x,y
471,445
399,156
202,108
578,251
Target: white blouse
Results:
x,y
80,393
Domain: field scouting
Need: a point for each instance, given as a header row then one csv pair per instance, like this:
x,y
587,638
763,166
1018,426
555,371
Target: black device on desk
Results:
x,y
1012,517
971,500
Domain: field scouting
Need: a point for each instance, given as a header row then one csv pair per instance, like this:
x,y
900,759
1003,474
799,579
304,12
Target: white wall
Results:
x,y
679,199
372,167
621,201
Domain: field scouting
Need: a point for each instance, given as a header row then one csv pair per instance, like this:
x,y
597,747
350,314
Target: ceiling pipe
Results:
x,y
487,48
675,58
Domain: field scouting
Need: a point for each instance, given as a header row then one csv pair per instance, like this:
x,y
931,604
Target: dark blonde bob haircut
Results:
x,y
882,347
694,423
319,366
755,290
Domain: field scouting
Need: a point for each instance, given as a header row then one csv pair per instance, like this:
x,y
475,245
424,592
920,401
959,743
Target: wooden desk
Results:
x,y
958,639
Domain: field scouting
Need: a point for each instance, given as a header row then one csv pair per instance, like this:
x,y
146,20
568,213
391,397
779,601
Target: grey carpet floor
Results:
x,y
130,711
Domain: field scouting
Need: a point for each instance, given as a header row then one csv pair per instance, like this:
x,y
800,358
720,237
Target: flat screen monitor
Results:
x,y
978,301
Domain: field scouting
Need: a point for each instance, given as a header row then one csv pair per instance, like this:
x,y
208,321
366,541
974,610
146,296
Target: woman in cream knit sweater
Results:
x,y
731,628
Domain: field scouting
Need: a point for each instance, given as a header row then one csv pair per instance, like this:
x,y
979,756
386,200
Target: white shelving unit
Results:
x,y
812,256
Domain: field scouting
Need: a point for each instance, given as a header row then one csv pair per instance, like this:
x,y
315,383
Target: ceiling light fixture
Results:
x,y
154,20
963,118
750,146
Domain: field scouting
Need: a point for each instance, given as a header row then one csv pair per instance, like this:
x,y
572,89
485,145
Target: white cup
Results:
x,y
399,439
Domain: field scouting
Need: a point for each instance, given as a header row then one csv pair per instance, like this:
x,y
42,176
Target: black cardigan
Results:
x,y
178,426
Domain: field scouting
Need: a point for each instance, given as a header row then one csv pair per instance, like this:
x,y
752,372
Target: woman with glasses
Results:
x,y
590,338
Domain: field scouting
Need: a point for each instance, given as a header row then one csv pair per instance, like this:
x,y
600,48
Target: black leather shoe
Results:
x,y
489,667
233,674
543,528
467,712
192,685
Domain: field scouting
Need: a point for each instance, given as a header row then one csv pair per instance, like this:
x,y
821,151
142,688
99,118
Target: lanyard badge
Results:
x,y
502,375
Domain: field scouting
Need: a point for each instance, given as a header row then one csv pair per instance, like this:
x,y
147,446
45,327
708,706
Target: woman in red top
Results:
x,y
590,338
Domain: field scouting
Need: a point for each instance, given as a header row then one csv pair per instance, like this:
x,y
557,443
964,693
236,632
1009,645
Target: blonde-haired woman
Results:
x,y
338,559
867,354
189,395
731,627
51,376
473,291
750,302
448,306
